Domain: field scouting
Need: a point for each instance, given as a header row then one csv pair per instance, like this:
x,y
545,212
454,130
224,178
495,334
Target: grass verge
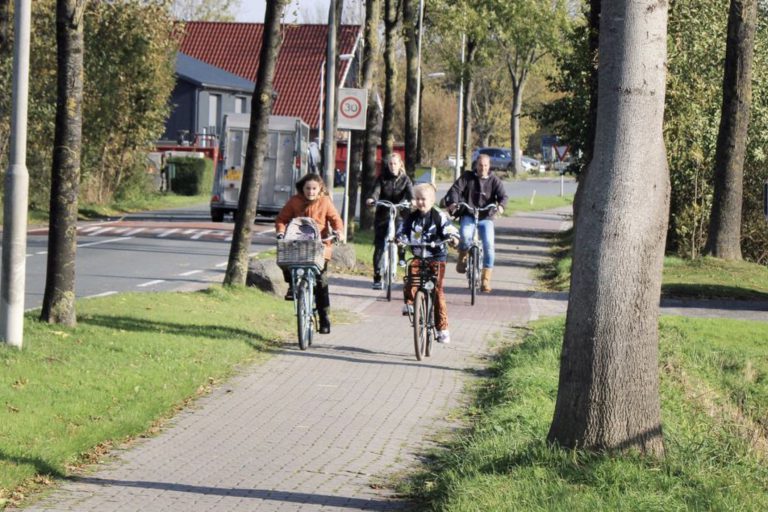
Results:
x,y
700,278
131,362
502,461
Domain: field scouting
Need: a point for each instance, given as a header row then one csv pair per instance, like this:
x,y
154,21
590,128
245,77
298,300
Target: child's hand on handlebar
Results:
x,y
454,241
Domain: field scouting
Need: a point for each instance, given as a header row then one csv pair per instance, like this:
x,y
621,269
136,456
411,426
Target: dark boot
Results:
x,y
289,294
325,320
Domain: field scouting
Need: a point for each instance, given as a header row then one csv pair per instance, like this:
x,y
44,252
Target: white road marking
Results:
x,y
190,273
150,283
100,231
120,230
39,253
134,231
167,232
104,241
89,229
219,265
200,234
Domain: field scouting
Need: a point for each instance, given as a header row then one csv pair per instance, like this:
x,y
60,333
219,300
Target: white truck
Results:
x,y
285,161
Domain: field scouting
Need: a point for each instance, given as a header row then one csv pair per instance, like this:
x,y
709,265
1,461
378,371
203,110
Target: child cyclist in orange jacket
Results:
x,y
312,200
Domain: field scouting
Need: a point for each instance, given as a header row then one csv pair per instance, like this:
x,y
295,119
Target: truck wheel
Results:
x,y
217,216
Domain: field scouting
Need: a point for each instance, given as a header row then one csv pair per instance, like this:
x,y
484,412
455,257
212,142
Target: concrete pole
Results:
x,y
346,185
460,115
329,137
16,189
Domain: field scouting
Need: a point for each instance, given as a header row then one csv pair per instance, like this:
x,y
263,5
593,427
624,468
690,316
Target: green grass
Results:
x,y
711,277
132,360
502,461
536,203
700,278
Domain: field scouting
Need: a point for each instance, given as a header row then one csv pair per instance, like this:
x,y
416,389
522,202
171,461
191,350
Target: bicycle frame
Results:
x,y
475,251
427,286
388,269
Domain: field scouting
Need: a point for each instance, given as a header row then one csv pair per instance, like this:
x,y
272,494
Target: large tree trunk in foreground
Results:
x,y
724,237
390,79
608,395
253,169
59,299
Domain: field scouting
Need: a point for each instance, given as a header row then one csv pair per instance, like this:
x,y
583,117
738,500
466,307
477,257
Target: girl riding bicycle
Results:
x,y
424,225
312,200
395,186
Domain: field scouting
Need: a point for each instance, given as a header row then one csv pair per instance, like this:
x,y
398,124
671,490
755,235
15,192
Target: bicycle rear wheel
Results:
x,y
420,324
304,318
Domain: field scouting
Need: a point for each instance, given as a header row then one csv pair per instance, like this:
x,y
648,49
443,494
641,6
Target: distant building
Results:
x,y
216,72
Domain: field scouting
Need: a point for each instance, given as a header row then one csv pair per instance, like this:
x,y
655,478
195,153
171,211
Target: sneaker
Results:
x,y
444,337
289,294
407,309
401,263
377,285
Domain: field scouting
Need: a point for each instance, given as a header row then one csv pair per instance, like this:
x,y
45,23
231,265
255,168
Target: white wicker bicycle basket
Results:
x,y
301,245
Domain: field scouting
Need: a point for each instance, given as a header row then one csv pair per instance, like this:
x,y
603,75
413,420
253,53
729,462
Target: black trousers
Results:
x,y
322,292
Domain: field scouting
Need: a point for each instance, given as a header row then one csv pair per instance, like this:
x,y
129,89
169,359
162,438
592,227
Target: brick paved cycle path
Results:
x,y
317,430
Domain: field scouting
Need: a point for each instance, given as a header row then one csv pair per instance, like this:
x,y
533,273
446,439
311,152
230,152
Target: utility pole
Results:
x,y
16,189
329,136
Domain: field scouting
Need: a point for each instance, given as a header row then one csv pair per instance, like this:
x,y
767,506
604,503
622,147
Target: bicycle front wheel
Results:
x,y
304,314
472,272
420,325
391,268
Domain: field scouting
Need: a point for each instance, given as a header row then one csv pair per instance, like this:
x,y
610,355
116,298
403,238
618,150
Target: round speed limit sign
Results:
x,y
352,107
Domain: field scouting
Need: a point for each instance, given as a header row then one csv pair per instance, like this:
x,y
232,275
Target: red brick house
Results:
x,y
216,72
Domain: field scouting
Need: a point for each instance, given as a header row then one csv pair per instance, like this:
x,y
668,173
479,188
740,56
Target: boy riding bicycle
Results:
x,y
427,224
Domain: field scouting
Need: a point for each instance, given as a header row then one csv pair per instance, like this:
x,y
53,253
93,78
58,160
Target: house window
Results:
x,y
214,112
239,105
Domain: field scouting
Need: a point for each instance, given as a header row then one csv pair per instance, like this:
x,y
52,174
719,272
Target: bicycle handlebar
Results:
x,y
389,204
422,244
473,209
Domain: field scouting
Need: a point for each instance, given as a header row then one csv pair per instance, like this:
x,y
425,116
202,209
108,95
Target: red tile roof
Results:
x,y
235,47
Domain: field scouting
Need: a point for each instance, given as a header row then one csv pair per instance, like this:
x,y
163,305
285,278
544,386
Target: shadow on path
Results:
x,y
260,494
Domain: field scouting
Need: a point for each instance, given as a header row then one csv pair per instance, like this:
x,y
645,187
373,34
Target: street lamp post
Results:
x,y
16,189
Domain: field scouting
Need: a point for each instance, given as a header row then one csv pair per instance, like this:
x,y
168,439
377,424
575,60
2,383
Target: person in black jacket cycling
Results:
x,y
395,186
478,189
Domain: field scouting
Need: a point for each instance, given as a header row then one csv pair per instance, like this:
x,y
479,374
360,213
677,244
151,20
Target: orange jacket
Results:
x,y
320,210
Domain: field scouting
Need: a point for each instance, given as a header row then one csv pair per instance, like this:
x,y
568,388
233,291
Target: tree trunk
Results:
x,y
514,126
410,23
589,144
469,93
390,79
724,237
256,148
59,298
370,143
608,394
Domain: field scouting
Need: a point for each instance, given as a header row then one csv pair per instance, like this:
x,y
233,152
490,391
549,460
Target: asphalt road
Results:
x,y
178,249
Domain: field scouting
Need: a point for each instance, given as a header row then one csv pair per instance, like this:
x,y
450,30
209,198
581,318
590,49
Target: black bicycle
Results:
x,y
422,316
388,269
475,251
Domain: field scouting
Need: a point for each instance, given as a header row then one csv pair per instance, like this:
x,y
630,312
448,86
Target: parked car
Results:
x,y
530,164
501,158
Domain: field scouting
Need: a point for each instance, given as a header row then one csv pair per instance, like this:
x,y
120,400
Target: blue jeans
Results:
x,y
486,233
